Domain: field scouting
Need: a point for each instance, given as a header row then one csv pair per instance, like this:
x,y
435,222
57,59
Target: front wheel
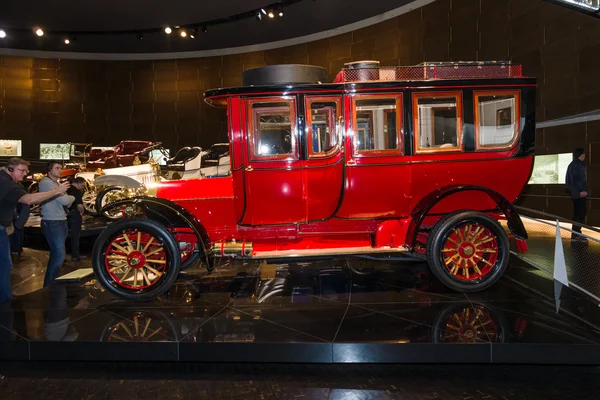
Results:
x,y
106,196
468,251
136,259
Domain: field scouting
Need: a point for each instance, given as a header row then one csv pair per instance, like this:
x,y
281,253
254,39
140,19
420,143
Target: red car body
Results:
x,y
351,198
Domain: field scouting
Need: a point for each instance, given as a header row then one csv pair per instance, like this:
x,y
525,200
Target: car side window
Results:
x,y
323,125
377,124
438,122
273,128
496,119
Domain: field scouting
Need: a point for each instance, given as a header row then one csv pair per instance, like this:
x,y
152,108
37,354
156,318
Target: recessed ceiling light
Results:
x,y
67,41
168,30
183,34
39,32
2,34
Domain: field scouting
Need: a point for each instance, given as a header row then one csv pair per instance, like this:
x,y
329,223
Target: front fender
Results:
x,y
426,204
170,215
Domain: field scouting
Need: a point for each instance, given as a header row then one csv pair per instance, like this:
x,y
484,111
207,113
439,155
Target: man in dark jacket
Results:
x,y
75,216
577,188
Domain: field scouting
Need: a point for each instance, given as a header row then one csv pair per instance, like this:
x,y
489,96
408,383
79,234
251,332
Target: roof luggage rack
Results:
x,y
365,71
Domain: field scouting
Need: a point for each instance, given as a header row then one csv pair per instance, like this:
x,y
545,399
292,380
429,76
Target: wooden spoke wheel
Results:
x,y
468,251
136,258
89,202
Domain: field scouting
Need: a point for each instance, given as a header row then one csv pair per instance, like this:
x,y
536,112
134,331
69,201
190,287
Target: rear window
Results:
x,y
496,119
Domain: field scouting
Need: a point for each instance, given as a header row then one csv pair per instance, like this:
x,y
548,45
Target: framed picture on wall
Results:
x,y
54,151
503,117
10,148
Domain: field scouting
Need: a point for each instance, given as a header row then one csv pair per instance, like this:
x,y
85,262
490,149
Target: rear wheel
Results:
x,y
468,251
89,202
136,259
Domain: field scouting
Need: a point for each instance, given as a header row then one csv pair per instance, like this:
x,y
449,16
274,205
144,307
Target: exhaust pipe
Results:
x,y
232,249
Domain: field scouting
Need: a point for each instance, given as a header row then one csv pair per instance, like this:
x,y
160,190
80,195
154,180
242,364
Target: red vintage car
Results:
x,y
421,160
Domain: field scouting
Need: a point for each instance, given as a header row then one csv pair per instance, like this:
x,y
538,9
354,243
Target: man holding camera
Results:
x,y
54,220
11,194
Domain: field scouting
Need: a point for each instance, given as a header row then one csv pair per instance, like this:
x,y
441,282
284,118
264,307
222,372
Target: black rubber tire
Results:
x,y
157,230
437,239
284,74
101,195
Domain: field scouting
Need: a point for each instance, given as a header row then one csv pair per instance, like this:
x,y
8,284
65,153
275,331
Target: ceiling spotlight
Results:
x,y
39,32
259,16
168,30
262,10
271,14
281,14
2,34
204,29
140,36
183,34
67,41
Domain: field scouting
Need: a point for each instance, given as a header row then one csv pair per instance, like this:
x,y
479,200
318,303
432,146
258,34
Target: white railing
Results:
x,y
570,257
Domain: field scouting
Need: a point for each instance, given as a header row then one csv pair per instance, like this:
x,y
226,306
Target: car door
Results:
x,y
324,170
273,169
378,174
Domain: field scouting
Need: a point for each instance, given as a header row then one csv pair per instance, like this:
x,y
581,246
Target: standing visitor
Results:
x,y
54,220
577,189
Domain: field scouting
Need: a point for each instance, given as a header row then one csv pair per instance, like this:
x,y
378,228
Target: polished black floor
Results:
x,y
193,381
344,310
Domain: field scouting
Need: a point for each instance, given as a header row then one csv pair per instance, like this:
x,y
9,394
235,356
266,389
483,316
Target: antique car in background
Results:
x,y
126,153
194,163
112,184
420,160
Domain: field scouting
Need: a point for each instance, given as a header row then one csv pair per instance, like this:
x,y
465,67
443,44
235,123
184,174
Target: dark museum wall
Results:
x,y
103,102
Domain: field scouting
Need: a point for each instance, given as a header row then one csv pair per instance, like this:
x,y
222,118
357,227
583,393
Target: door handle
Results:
x,y
249,168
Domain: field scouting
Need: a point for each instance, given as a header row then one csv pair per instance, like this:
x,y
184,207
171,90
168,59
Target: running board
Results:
x,y
327,252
